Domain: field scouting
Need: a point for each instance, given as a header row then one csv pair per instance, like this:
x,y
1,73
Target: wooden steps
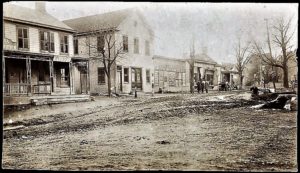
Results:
x,y
61,91
56,99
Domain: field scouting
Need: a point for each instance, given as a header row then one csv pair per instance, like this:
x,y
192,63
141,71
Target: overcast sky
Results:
x,y
212,25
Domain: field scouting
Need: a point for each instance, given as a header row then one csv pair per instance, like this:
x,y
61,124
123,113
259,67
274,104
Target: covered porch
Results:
x,y
26,74
31,75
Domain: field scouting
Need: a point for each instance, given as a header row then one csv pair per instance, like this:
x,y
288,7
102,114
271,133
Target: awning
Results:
x,y
62,59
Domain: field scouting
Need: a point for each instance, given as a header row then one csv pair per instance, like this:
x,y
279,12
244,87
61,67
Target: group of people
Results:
x,y
202,85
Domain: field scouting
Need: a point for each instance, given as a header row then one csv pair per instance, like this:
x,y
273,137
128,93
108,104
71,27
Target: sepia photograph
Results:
x,y
120,86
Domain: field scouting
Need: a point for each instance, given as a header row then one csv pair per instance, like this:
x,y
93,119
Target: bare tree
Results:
x,y
281,38
241,59
104,47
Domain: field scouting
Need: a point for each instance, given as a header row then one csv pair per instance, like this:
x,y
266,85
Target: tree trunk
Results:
x,y
285,77
274,85
109,85
241,80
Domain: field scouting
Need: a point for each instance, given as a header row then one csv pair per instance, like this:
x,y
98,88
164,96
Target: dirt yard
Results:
x,y
215,131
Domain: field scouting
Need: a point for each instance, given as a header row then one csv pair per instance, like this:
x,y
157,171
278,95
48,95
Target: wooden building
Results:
x,y
131,35
38,54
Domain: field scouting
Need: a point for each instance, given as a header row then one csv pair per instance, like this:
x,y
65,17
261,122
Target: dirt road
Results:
x,y
175,132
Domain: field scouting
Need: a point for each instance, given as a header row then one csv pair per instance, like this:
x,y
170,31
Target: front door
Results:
x,y
83,83
136,78
64,77
119,79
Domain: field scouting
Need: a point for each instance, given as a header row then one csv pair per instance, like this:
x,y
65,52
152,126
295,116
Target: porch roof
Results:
x,y
18,52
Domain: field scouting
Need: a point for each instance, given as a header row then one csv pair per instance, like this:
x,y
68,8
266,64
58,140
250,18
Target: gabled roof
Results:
x,y
31,16
102,21
167,58
229,66
204,58
99,21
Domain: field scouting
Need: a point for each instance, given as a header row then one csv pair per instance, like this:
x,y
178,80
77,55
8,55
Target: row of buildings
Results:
x,y
45,56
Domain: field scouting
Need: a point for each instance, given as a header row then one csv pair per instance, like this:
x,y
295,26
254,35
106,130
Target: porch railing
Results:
x,y
41,88
11,89
15,88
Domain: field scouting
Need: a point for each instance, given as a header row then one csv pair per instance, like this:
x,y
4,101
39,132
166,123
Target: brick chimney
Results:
x,y
40,6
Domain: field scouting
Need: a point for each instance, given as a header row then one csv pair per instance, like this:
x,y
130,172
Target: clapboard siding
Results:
x,y
71,47
34,45
10,33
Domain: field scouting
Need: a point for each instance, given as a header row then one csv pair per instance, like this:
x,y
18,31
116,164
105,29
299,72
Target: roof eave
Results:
x,y
95,31
206,62
37,24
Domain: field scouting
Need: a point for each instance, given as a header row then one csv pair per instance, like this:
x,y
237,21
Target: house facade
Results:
x,y
37,53
229,74
205,68
132,38
170,75
173,74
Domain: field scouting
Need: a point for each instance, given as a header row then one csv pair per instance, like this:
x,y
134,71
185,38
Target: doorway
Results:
x,y
136,78
62,74
119,79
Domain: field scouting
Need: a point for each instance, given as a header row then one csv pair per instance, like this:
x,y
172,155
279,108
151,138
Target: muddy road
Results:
x,y
215,131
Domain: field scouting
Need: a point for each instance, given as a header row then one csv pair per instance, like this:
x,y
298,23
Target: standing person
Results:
x,y
199,86
202,85
206,86
226,85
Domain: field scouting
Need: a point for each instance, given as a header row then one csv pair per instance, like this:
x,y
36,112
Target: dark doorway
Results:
x,y
136,78
119,78
62,74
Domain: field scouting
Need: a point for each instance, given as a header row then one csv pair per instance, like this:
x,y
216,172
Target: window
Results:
x,y
147,47
125,43
136,45
100,43
148,76
75,46
183,79
172,80
101,75
64,44
51,42
135,23
47,41
23,38
156,78
126,75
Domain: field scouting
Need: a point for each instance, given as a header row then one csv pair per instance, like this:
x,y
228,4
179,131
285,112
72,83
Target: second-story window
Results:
x,y
47,41
100,43
136,45
75,45
64,44
125,43
147,47
23,38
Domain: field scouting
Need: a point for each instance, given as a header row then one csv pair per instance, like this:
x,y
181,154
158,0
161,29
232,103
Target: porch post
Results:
x,y
88,76
3,70
70,77
28,72
51,75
